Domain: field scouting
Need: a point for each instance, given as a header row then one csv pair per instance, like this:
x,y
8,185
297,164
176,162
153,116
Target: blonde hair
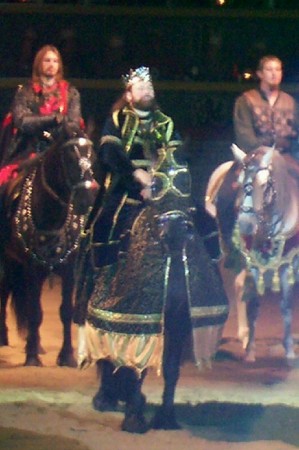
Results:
x,y
37,63
267,58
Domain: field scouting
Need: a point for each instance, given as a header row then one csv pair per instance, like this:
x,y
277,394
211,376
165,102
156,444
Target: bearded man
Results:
x,y
134,133
144,277
41,108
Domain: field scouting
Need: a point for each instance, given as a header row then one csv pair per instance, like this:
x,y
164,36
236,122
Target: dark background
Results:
x,y
198,55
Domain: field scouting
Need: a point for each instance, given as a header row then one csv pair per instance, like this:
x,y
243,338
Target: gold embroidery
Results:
x,y
208,311
110,316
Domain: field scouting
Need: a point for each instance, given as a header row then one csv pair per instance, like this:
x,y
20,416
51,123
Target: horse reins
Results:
x,y
248,190
84,163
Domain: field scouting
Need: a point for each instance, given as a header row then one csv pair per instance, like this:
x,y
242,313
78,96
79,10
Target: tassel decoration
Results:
x,y
276,282
291,275
261,284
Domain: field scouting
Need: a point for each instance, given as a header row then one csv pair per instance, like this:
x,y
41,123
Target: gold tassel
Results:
x,y
261,284
291,275
276,282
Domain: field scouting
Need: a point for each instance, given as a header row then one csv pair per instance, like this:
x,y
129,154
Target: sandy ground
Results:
x,y
234,405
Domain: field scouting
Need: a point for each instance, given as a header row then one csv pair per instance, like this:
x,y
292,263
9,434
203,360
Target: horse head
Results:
x,y
264,198
68,172
176,228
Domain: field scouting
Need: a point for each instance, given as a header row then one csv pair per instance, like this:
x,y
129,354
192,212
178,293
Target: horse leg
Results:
x,y
106,398
234,287
177,326
286,307
66,354
4,295
164,418
129,385
252,309
34,318
5,290
243,329
122,384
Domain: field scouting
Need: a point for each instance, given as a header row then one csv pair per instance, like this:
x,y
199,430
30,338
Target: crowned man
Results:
x,y
126,280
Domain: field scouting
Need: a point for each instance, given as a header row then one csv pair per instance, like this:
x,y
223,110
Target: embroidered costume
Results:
x,y
126,273
258,123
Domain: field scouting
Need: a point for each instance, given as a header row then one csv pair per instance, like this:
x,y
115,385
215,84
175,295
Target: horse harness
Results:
x,y
50,248
269,196
278,250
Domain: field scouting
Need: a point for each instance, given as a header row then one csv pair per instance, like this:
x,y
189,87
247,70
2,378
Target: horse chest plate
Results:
x,y
47,247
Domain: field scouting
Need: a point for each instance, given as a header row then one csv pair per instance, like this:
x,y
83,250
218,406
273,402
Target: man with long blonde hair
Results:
x,y
41,107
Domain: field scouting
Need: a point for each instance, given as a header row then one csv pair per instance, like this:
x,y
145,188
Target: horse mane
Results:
x,y
281,180
283,172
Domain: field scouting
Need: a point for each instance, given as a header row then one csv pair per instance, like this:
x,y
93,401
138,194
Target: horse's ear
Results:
x,y
239,154
267,158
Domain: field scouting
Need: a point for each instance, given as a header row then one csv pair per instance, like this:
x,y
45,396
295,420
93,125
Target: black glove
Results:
x,y
33,124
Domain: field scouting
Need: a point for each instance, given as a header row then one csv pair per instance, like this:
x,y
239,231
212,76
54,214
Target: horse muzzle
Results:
x,y
248,223
84,195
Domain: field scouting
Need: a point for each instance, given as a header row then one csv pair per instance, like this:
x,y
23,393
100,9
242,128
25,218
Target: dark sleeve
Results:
x,y
74,116
113,158
245,134
25,118
111,153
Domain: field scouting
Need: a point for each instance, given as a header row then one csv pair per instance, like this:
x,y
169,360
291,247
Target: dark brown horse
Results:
x,y
43,214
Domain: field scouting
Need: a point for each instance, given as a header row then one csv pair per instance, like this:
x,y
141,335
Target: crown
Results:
x,y
140,74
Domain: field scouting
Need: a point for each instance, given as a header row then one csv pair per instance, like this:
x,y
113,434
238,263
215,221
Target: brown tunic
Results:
x,y
258,123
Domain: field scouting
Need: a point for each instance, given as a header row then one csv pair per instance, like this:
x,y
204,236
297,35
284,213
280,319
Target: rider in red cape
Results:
x,y
39,110
130,273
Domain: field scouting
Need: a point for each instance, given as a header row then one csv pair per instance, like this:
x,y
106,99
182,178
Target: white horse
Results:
x,y
255,201
233,282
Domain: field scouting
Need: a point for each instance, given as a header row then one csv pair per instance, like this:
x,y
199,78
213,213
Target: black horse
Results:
x,y
43,214
162,288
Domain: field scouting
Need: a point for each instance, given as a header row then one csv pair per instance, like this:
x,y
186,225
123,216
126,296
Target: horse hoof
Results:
x,y
66,361
33,361
135,424
250,357
102,403
290,355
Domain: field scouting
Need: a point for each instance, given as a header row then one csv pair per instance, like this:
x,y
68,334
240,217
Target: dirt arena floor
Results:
x,y
234,405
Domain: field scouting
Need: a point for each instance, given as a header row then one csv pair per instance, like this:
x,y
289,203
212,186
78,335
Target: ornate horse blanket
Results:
x,y
161,272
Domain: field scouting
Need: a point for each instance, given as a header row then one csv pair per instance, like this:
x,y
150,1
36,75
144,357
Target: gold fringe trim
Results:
x,y
276,282
110,316
254,260
136,351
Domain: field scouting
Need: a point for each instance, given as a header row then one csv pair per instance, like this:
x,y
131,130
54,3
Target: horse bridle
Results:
x,y
84,163
268,192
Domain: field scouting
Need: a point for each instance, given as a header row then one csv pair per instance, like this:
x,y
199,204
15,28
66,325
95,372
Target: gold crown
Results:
x,y
140,74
